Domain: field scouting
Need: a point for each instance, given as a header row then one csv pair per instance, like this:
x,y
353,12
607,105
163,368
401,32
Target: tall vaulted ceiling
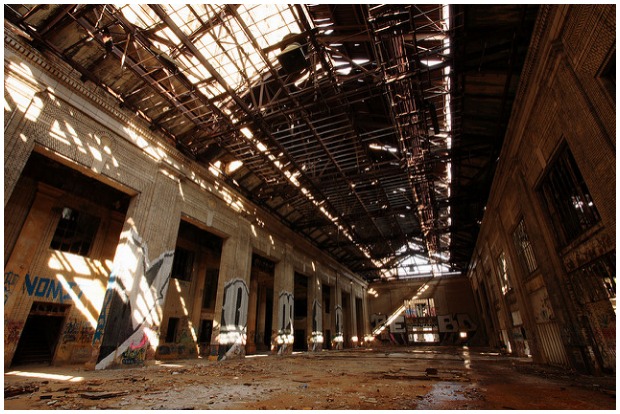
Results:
x,y
371,130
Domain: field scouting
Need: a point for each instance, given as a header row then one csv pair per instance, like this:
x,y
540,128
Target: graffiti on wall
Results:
x,y
134,297
185,335
377,320
338,341
50,289
541,306
77,331
317,326
135,353
12,331
233,331
284,338
175,351
456,323
398,325
41,287
10,280
103,315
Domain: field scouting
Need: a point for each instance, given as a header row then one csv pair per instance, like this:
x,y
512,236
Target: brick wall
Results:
x,y
564,99
51,111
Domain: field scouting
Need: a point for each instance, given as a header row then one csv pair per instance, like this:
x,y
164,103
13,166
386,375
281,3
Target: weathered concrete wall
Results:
x,y
566,98
452,296
49,109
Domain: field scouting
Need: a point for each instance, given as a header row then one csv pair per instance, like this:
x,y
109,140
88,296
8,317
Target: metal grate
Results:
x,y
567,197
524,248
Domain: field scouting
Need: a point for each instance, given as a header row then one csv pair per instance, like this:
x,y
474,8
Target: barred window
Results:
x,y
596,281
75,232
183,264
503,273
567,198
524,248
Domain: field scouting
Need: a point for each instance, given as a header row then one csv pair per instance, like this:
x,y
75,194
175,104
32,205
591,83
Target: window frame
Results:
x,y
503,274
86,229
568,223
188,267
524,251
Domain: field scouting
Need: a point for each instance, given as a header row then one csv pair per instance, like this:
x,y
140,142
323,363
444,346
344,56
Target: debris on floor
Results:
x,y
359,379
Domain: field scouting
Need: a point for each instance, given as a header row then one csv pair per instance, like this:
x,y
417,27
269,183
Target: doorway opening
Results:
x,y
260,312
301,313
41,334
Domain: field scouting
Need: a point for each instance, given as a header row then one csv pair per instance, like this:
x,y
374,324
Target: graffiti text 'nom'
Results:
x,y
44,287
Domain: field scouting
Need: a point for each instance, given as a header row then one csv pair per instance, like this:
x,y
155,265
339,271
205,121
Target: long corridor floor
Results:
x,y
402,378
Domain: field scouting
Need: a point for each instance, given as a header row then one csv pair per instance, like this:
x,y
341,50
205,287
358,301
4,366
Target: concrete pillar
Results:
x,y
353,334
36,228
368,338
130,319
261,317
250,347
20,133
282,337
316,316
338,340
198,283
231,305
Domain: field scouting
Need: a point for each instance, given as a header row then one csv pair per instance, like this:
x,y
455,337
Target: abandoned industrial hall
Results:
x,y
208,183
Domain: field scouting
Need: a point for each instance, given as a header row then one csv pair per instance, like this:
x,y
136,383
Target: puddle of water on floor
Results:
x,y
445,395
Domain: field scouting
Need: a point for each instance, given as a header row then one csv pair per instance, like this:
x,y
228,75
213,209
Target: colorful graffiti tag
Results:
x,y
135,353
130,309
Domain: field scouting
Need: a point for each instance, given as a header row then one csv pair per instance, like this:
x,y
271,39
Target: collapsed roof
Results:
x,y
371,130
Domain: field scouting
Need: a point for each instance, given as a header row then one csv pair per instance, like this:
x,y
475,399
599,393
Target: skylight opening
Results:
x,y
225,46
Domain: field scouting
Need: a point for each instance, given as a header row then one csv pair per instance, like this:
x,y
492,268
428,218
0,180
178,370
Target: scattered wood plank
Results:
x,y
102,394
13,390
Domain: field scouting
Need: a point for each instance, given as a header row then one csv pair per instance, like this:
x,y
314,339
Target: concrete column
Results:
x,y
261,316
368,338
250,347
198,288
353,334
130,319
338,340
36,229
282,337
20,134
316,342
231,305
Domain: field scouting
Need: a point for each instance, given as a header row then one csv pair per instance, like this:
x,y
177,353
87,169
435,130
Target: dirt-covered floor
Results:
x,y
381,379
